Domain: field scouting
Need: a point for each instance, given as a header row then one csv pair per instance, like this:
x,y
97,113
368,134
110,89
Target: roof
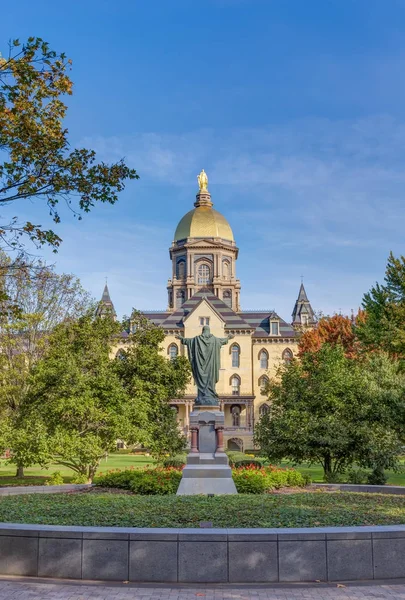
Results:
x,y
258,321
203,222
303,307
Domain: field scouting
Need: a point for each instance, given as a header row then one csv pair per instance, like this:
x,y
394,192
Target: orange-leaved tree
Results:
x,y
334,330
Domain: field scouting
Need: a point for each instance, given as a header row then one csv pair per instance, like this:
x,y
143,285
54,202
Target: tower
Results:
x,y
203,254
303,315
105,306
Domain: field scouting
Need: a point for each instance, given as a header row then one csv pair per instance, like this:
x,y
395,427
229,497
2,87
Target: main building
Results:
x,y
204,290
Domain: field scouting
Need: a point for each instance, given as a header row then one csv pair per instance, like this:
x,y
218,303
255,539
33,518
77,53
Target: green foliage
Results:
x,y
235,456
377,476
177,462
150,381
334,410
80,478
384,305
248,462
158,481
39,161
318,509
356,476
249,481
77,396
55,479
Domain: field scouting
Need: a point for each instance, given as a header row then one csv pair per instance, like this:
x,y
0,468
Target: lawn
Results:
x,y
38,476
304,509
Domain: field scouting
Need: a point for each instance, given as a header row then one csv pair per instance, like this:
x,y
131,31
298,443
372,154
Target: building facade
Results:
x,y
204,290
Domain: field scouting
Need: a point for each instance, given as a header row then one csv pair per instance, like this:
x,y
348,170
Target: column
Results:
x,y
220,439
194,440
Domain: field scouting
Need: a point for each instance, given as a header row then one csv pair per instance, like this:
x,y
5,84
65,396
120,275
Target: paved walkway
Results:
x,y
13,589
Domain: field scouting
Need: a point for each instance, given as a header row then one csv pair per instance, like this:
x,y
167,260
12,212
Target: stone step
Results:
x,y
207,471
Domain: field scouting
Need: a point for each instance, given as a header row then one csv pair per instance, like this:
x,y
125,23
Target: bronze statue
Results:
x,y
204,356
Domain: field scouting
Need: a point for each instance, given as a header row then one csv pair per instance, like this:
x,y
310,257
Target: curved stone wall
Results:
x,y
203,555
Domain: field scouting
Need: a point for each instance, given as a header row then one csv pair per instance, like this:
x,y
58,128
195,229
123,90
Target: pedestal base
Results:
x,y
207,474
207,470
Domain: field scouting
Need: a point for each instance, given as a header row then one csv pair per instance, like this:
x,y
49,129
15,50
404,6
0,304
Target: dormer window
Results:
x,y
274,328
304,319
204,321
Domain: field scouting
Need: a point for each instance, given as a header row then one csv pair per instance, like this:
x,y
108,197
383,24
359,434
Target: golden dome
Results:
x,y
203,222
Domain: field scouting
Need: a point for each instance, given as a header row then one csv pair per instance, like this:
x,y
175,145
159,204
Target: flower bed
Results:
x,y
248,479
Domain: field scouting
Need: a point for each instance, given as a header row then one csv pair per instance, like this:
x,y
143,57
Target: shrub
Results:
x,y
247,462
250,481
332,478
176,462
377,477
115,479
155,481
356,476
79,478
55,479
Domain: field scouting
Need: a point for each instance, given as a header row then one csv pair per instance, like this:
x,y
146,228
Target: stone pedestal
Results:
x,y
207,470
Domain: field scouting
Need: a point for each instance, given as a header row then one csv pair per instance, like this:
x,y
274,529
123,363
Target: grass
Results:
x,y
304,509
38,476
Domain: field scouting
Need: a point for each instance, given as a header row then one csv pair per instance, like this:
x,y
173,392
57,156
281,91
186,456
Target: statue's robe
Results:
x,y
204,356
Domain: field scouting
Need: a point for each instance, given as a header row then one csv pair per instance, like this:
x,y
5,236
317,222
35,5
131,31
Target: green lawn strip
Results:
x,y
37,476
280,510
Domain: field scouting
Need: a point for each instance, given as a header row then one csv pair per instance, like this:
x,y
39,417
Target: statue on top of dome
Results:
x,y
203,181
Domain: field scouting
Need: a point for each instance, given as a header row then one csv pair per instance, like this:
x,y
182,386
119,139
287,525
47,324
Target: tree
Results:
x,y
77,396
39,162
86,400
32,303
335,330
151,381
332,410
384,305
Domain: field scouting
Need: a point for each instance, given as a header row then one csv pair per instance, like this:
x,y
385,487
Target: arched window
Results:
x,y
172,351
287,356
235,354
264,409
181,269
235,385
263,383
235,412
235,444
228,298
179,299
226,269
264,359
121,354
204,275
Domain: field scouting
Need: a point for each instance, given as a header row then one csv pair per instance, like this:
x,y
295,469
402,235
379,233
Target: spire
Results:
x,y
106,305
303,313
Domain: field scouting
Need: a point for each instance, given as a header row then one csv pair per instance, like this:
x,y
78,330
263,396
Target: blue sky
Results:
x,y
295,109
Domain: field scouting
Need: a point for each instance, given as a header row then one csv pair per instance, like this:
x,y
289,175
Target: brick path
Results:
x,y
33,590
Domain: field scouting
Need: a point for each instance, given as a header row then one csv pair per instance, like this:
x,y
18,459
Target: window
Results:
x,y
228,298
264,409
235,384
287,356
304,319
264,359
181,269
226,270
235,412
121,354
204,275
179,299
274,328
235,352
173,351
204,321
263,381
